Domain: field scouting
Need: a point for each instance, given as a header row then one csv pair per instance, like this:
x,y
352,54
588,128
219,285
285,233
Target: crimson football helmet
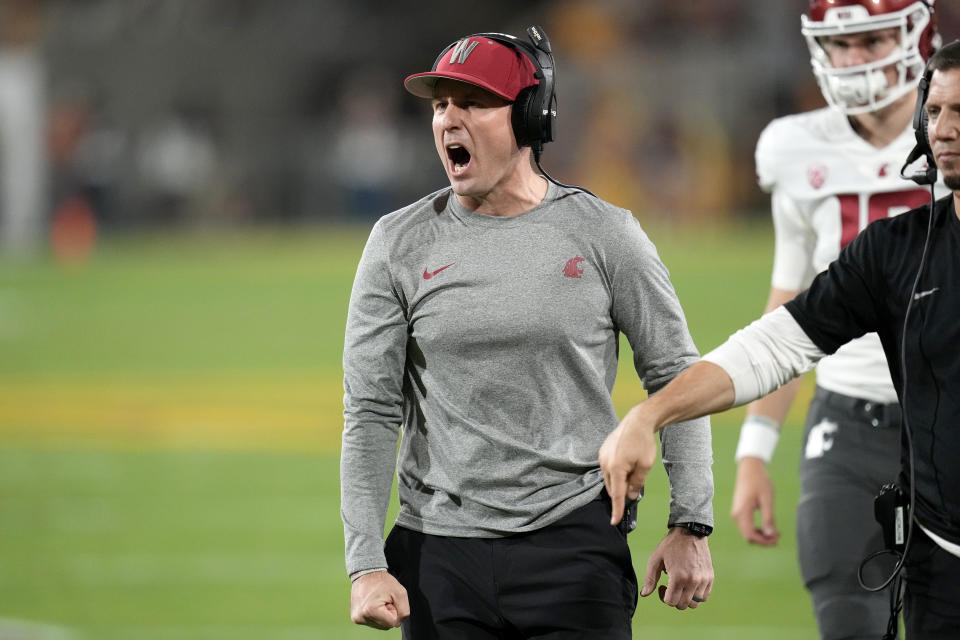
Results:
x,y
865,87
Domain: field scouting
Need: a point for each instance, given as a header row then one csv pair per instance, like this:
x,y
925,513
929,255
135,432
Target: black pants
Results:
x,y
573,579
931,607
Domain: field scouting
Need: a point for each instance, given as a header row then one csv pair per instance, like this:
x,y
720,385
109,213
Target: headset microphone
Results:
x,y
926,176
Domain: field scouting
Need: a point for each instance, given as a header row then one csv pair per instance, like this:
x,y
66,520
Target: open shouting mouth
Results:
x,y
459,158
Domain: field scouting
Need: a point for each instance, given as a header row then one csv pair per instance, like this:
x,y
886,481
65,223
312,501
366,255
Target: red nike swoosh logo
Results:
x,y
429,274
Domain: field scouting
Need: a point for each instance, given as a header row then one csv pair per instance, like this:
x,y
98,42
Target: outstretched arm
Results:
x,y
751,364
631,449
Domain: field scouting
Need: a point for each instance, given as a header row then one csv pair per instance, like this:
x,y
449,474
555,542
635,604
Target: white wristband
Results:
x,y
758,438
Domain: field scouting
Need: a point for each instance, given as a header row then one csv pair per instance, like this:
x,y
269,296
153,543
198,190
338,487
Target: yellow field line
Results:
x,y
205,411
275,411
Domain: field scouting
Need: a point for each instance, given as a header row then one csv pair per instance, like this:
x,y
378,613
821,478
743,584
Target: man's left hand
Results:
x,y
685,558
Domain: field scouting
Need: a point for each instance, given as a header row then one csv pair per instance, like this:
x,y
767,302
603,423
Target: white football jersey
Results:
x,y
827,184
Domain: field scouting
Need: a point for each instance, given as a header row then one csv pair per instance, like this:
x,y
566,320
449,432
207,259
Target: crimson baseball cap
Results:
x,y
480,61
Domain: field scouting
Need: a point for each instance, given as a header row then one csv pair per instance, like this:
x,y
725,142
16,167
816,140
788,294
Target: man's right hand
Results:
x,y
626,457
378,600
754,492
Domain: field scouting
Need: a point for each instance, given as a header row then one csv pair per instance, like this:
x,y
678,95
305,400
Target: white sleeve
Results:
x,y
795,238
765,355
794,244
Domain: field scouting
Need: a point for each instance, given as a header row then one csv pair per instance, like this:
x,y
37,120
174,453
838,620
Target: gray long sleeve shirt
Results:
x,y
493,342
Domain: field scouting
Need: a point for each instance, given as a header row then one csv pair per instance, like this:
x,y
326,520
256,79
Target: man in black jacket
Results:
x,y
888,280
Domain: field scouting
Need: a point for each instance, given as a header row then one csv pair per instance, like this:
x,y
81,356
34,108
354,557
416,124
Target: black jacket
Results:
x,y
868,288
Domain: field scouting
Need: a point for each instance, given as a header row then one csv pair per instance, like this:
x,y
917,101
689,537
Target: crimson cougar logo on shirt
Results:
x,y
817,175
573,268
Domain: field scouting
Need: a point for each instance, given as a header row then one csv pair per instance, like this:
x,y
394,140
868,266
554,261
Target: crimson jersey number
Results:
x,y
879,206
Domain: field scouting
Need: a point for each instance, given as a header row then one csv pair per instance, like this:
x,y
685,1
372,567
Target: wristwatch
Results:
x,y
696,528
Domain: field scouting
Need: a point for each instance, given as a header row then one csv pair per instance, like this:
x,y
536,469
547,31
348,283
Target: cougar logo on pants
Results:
x,y
821,439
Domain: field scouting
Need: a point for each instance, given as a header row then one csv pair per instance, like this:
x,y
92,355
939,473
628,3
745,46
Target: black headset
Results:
x,y
535,108
922,149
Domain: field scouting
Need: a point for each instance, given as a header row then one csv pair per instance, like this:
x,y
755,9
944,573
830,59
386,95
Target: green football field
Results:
x,y
170,415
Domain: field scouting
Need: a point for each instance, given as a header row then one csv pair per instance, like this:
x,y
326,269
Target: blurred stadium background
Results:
x,y
185,187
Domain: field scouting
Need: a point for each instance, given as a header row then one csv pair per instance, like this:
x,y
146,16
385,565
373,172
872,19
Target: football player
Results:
x,y
831,172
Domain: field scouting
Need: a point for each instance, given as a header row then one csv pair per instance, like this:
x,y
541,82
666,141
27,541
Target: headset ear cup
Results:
x,y
523,118
923,136
930,174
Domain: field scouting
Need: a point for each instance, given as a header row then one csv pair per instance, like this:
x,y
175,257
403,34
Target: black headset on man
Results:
x,y
928,175
535,108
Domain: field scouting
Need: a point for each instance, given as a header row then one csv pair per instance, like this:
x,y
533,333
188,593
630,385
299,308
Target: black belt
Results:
x,y
878,414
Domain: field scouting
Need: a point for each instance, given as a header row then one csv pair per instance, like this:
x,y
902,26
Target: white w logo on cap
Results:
x,y
462,50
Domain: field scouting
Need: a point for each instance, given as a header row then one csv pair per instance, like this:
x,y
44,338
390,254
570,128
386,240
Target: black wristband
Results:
x,y
696,528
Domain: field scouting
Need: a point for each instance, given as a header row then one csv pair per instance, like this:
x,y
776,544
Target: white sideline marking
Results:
x,y
13,629
196,568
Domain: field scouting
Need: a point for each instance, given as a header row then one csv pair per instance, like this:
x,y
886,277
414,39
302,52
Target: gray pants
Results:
x,y
850,448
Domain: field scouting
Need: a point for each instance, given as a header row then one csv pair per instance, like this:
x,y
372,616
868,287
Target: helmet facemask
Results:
x,y
866,87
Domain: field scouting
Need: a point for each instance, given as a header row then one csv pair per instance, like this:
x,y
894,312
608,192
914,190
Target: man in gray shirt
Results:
x,y
484,322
